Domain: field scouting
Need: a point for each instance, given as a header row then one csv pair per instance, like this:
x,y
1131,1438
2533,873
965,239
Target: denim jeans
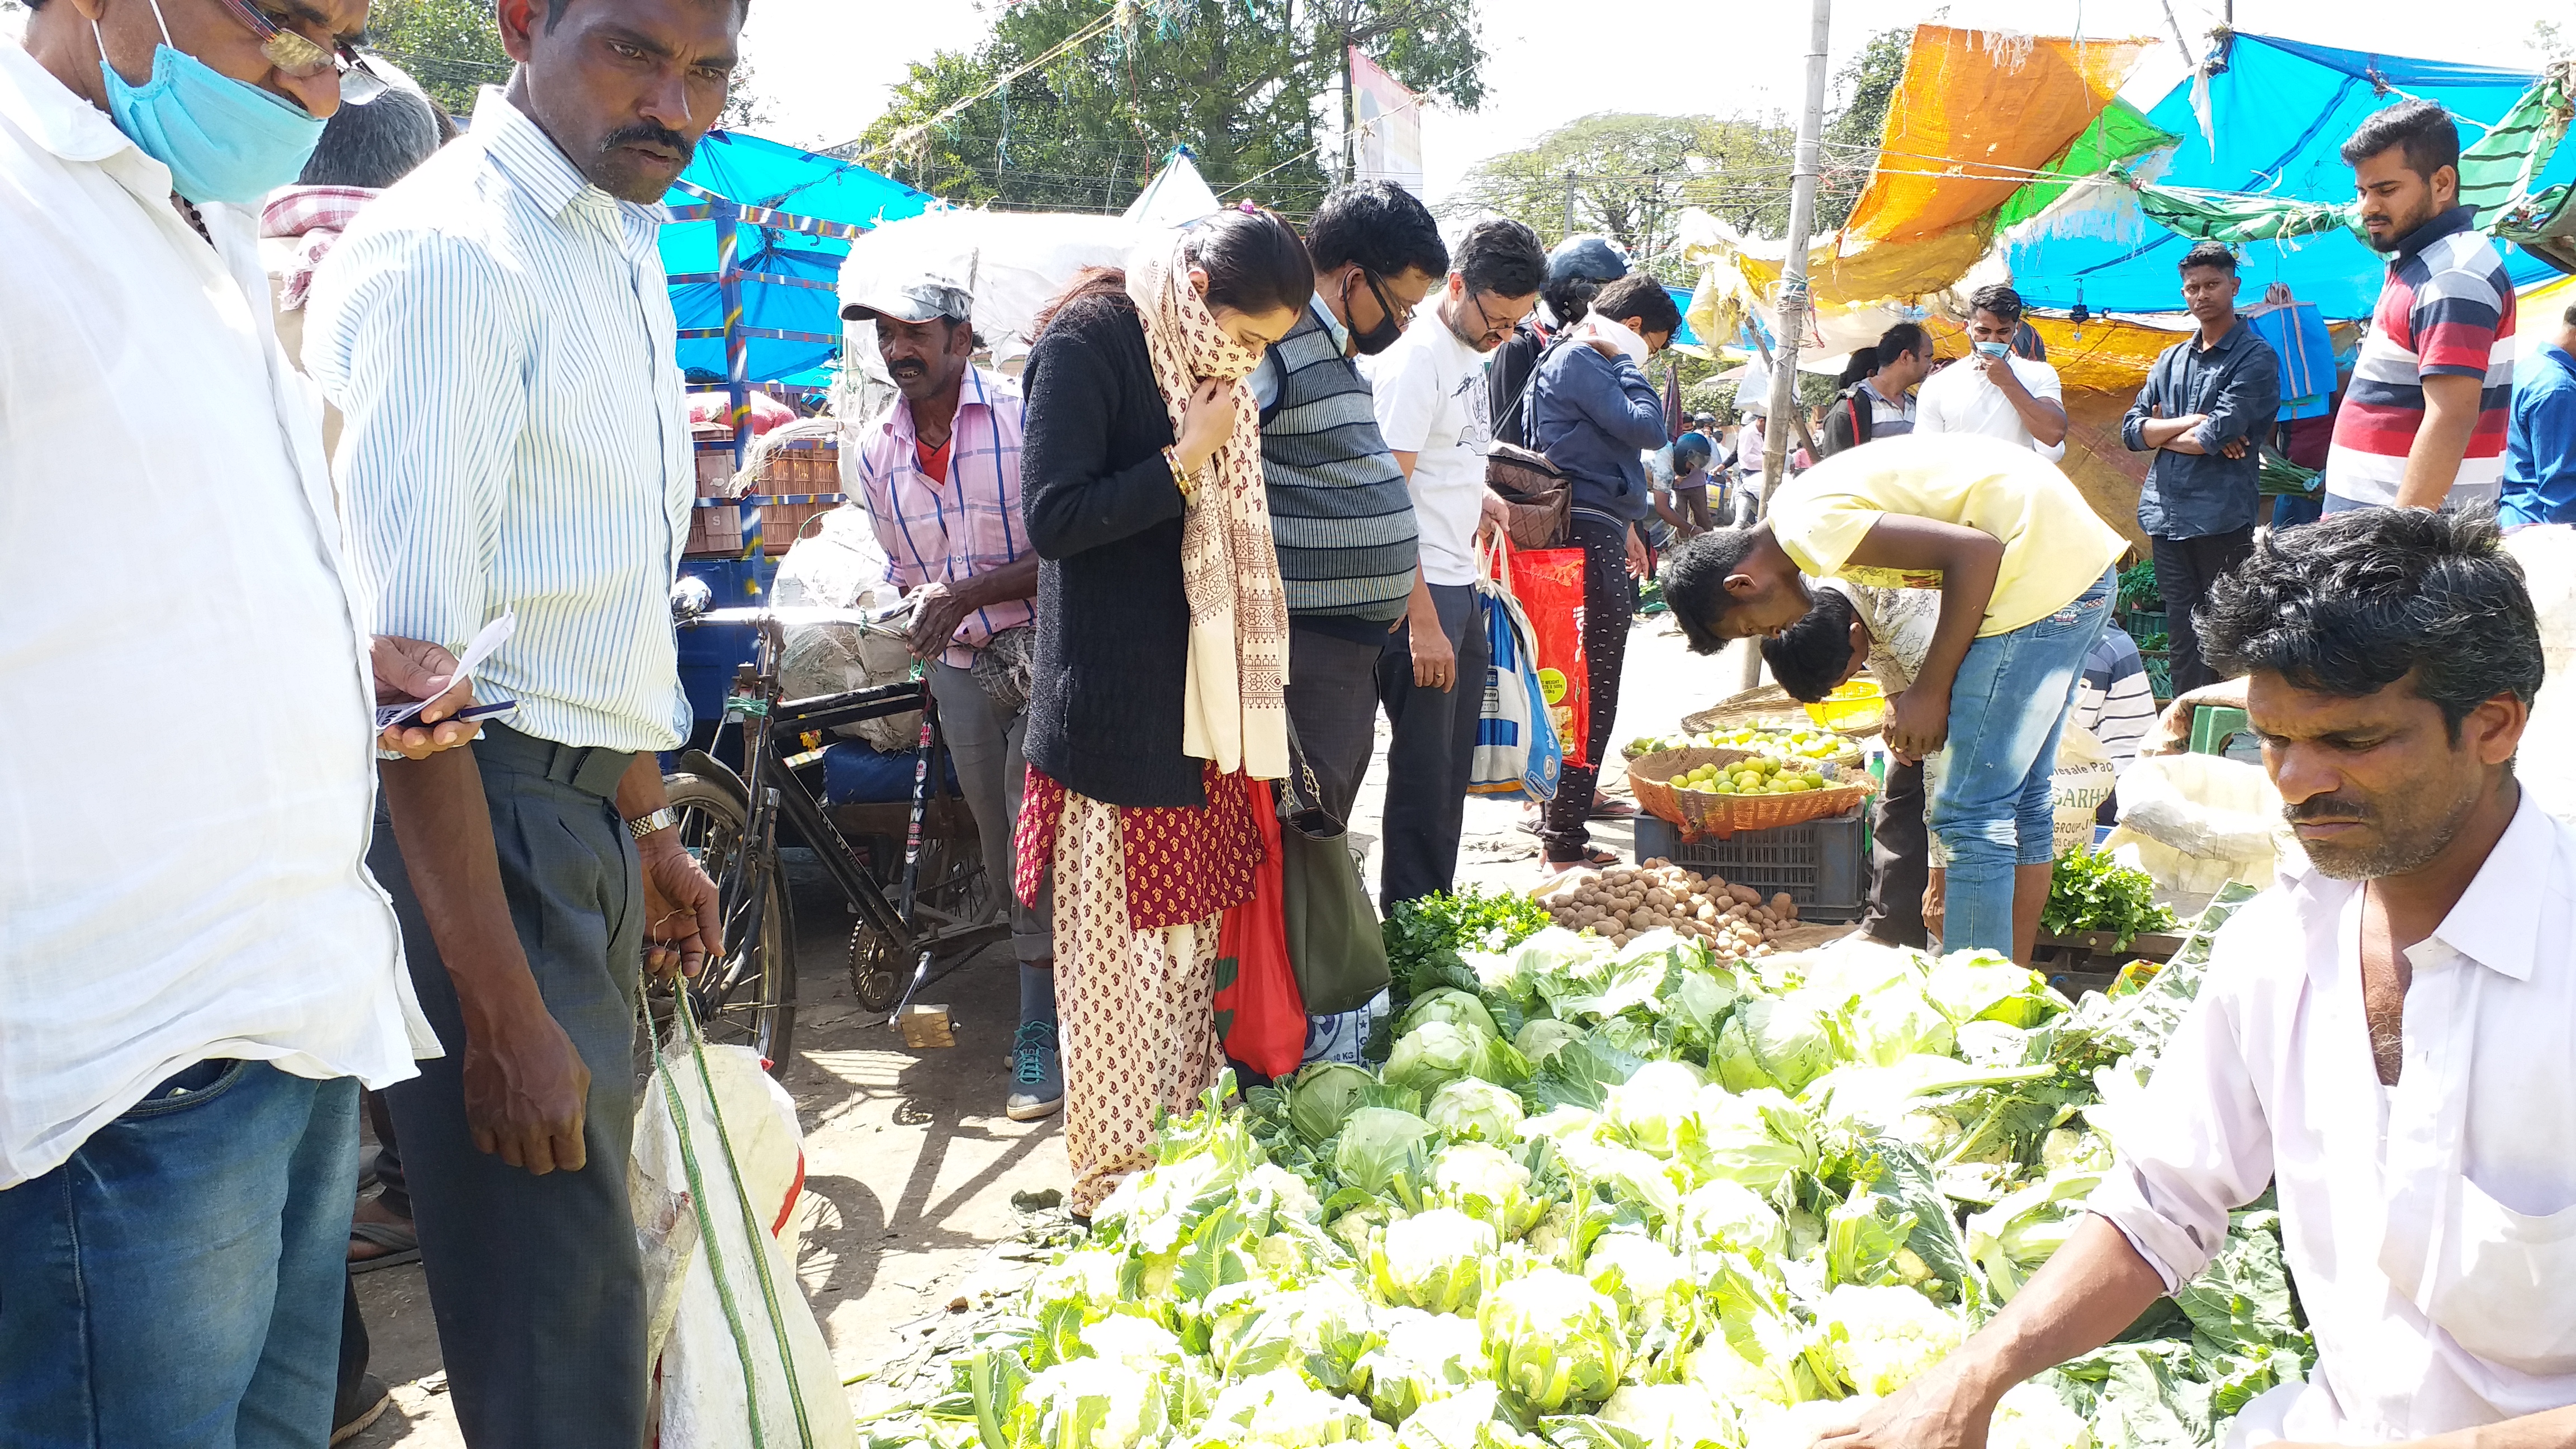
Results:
x,y
1989,789
178,1282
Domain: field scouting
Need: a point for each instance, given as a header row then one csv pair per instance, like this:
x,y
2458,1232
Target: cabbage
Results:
x,y
1668,1416
2011,1239
1437,1052
1772,1043
1648,1106
1799,1426
1542,1035
1488,1184
1983,986
1699,1002
1434,1261
1630,1174
1324,1096
1733,1218
1463,1420
1451,1005
1993,1044
1093,1403
1889,1025
1637,1272
1426,1356
1380,1144
1553,1340
1882,1339
1138,1342
1750,1138
1281,1409
1476,1110
2030,1417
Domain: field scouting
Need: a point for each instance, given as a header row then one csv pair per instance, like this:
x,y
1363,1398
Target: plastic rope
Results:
x,y
707,1222
750,1221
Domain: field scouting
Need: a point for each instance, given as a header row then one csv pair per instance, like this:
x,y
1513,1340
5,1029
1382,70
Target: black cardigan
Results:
x,y
1105,517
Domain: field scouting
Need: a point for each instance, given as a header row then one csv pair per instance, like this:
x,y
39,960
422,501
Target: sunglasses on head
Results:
x,y
302,57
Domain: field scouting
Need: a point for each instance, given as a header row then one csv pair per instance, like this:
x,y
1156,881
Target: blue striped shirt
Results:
x,y
498,334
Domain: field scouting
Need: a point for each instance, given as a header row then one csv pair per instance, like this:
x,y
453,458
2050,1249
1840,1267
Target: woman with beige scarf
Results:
x,y
1162,650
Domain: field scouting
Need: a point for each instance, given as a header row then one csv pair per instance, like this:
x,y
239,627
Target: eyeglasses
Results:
x,y
1485,319
302,57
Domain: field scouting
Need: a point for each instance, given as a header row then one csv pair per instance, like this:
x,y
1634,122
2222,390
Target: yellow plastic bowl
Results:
x,y
1858,706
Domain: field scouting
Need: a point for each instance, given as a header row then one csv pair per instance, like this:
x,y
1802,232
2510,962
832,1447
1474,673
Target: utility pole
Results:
x,y
1791,308
1350,115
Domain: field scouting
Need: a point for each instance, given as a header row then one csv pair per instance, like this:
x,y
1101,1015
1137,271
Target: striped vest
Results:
x,y
1339,511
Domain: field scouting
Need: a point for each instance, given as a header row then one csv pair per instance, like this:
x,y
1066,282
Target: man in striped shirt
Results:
x,y
940,472
497,332
2423,423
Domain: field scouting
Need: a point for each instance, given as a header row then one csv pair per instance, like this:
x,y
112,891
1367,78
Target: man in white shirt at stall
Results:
x,y
1992,390
196,973
2382,1038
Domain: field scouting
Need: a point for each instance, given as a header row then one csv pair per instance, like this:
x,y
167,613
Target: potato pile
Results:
x,y
1628,901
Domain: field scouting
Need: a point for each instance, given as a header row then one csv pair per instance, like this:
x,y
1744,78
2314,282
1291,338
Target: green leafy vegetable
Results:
x,y
2089,891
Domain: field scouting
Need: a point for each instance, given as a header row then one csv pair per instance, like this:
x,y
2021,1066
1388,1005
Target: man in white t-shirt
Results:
x,y
1431,406
1991,391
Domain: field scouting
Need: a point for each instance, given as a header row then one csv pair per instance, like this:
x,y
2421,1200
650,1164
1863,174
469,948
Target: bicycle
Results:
x,y
943,908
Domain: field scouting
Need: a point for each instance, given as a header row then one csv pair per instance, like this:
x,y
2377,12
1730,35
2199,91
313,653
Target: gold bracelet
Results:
x,y
1180,476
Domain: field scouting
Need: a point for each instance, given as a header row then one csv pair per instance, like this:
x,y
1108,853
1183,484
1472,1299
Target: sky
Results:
x,y
827,65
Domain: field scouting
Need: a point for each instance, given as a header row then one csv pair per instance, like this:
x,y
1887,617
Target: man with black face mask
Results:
x,y
1339,510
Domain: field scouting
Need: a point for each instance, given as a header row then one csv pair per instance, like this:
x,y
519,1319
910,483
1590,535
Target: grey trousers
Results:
x,y
1332,701
1434,746
536,1282
991,774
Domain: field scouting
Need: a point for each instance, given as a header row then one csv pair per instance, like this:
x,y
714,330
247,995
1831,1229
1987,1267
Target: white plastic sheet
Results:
x,y
732,1223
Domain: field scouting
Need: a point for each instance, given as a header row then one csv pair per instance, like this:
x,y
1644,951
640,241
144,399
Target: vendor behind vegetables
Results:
x,y
2382,1040
2025,573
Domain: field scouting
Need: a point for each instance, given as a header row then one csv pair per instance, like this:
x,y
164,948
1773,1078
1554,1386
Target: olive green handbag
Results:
x,y
1334,944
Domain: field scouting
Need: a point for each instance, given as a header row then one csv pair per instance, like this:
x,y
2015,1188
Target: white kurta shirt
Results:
x,y
186,766
2431,1228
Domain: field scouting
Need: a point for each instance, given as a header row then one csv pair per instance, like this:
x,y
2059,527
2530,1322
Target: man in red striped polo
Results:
x,y
2423,423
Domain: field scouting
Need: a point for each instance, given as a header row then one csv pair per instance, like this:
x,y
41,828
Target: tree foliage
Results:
x,y
1250,86
1629,176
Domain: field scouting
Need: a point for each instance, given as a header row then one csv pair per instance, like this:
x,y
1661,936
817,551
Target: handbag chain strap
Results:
x,y
1297,755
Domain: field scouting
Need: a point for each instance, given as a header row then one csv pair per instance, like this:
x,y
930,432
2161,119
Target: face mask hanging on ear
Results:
x,y
223,139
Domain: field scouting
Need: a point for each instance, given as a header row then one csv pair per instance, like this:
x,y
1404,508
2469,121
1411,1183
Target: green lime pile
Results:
x,y
1761,775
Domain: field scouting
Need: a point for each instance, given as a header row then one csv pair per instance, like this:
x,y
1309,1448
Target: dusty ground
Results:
x,y
910,1164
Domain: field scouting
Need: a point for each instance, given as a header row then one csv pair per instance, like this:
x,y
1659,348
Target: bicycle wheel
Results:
x,y
749,999
953,896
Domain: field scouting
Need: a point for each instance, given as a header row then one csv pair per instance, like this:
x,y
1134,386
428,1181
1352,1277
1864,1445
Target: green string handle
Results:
x,y
707,1228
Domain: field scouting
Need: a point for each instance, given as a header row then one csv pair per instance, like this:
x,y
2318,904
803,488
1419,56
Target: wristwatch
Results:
x,y
643,825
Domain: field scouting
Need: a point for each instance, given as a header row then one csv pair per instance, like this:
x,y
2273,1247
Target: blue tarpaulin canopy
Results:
x,y
804,301
2279,113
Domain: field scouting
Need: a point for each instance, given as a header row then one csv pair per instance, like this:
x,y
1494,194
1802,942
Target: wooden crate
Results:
x,y
715,529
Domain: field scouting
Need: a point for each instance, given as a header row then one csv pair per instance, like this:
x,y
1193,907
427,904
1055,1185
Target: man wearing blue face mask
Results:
x,y
196,972
1991,390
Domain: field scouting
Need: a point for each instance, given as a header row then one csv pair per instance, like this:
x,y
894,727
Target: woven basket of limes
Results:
x,y
1720,791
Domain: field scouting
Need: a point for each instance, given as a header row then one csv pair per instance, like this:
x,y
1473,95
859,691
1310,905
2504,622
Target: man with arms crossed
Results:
x,y
2423,421
940,469
2382,1037
497,332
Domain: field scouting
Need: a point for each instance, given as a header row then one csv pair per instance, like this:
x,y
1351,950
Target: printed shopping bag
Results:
x,y
1259,1015
1516,750
1549,584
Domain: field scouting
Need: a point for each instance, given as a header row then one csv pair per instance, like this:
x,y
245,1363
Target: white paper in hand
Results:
x,y
476,651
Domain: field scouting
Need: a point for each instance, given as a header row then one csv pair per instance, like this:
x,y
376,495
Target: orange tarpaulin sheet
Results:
x,y
1977,113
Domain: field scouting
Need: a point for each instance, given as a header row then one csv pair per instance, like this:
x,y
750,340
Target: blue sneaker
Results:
x,y
1037,1073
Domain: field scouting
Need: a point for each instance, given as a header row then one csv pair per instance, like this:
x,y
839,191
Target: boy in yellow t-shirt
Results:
x,y
2024,568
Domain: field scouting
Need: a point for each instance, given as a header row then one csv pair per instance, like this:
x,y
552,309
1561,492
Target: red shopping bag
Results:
x,y
1259,1014
1549,584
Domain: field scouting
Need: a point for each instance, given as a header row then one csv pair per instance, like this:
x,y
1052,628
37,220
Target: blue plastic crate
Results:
x,y
1822,864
